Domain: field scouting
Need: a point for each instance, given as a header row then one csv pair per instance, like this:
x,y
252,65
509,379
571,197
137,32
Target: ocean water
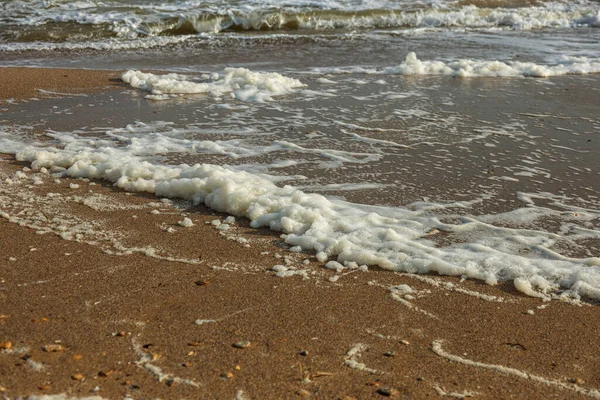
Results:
x,y
450,137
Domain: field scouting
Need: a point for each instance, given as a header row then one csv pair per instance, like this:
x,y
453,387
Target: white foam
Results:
x,y
391,238
242,83
468,68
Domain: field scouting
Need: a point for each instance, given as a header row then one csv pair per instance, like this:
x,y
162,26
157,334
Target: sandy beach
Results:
x,y
108,294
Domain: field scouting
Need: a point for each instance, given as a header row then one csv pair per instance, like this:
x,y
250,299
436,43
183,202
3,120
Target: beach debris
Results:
x,y
241,345
320,374
387,392
6,345
390,354
53,348
202,283
405,342
77,377
194,344
303,353
105,374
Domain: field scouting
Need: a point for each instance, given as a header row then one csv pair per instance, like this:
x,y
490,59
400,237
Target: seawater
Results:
x,y
419,136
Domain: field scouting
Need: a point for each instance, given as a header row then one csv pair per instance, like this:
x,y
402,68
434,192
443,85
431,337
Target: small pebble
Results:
x,y
303,353
77,357
387,392
405,342
2,389
303,393
105,374
44,387
121,334
577,381
390,354
227,375
5,345
241,345
186,364
420,379
201,283
77,377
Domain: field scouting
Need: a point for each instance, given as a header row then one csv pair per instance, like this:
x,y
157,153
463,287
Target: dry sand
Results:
x,y
128,321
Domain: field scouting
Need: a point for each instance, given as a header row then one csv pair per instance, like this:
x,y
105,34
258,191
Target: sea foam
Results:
x,y
242,83
467,68
392,238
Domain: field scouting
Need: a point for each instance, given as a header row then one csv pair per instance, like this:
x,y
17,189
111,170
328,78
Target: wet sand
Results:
x,y
135,310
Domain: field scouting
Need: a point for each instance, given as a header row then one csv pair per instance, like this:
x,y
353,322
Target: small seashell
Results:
x,y
53,348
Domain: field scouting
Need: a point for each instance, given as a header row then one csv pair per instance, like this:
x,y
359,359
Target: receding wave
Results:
x,y
95,23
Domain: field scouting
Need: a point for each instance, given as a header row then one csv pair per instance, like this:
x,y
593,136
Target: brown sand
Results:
x,y
18,84
126,323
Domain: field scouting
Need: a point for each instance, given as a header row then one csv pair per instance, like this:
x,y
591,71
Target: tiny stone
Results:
x,y
303,353
241,345
2,389
390,354
387,392
420,379
227,375
237,367
44,387
77,377
105,374
5,345
186,364
201,283
77,357
405,342
303,393
121,334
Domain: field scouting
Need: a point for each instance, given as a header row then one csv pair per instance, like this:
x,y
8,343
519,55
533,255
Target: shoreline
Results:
x,y
143,312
